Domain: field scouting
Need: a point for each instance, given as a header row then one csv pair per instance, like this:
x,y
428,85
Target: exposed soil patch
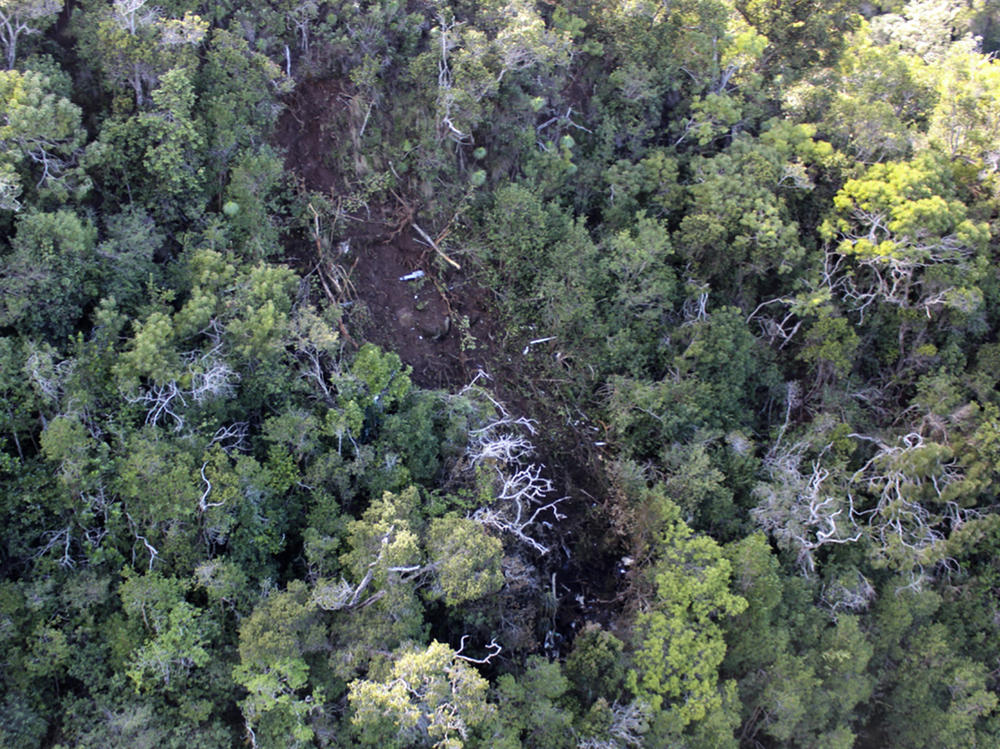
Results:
x,y
440,323
302,132
434,320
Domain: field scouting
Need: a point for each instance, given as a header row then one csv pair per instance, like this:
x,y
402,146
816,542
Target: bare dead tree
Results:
x,y
131,15
899,277
499,440
214,379
302,18
99,503
47,376
55,539
18,18
159,400
335,596
446,95
694,308
203,504
793,399
800,509
629,722
521,492
231,436
153,553
780,327
210,376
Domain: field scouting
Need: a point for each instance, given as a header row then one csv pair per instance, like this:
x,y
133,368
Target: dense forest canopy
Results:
x,y
442,373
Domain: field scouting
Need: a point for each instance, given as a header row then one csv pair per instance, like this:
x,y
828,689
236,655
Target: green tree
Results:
x,y
937,695
875,104
679,644
238,86
739,224
131,44
530,709
178,630
430,697
274,642
901,236
799,35
131,243
466,559
41,140
48,277
596,665
155,156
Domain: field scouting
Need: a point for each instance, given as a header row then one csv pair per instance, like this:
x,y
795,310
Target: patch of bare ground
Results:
x,y
441,323
403,297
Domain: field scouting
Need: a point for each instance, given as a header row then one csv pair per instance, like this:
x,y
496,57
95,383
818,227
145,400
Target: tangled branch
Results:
x,y
800,510
520,491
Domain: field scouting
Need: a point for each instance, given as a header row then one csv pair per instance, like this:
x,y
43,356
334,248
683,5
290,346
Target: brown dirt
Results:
x,y
302,132
421,320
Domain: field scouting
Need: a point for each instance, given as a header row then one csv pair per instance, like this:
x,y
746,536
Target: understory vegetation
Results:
x,y
682,428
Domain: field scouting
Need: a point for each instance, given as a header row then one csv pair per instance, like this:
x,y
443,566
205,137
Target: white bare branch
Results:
x,y
897,278
159,400
210,377
446,95
520,492
17,18
63,538
153,553
629,723
131,15
519,503
47,376
334,596
695,307
203,504
799,509
232,436
896,477
855,596
212,380
493,647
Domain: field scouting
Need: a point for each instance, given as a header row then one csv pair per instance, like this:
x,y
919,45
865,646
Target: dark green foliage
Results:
x,y
800,35
48,274
712,383
728,264
596,667
530,706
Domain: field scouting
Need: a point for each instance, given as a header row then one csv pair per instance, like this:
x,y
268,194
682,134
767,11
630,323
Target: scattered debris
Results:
x,y
536,342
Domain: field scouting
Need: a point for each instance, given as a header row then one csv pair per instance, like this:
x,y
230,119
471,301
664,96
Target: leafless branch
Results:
x,y
203,504
493,647
153,553
57,538
232,436
799,509
853,597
